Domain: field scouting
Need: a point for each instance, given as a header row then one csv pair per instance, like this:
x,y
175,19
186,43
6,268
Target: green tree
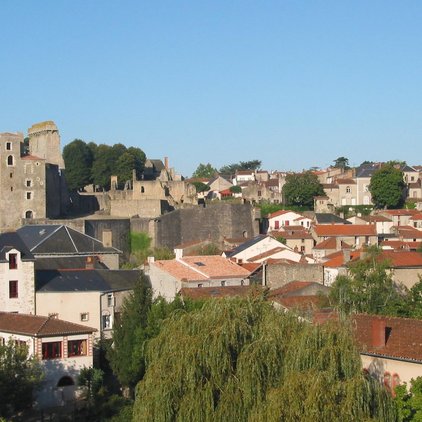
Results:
x,y
242,165
102,166
78,160
239,360
124,168
368,288
387,187
200,187
20,376
92,379
409,401
235,189
205,170
129,335
341,163
300,189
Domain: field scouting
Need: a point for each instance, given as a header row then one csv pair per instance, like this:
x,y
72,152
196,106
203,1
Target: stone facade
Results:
x,y
31,185
277,275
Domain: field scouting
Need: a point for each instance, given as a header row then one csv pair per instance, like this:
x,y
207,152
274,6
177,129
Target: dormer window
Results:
x,y
13,262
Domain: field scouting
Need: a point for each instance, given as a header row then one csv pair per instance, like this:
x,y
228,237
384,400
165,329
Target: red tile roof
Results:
x,y
399,259
400,212
325,230
293,286
416,216
39,326
345,182
337,259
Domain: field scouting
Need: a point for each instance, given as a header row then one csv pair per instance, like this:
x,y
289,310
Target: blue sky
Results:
x,y
293,83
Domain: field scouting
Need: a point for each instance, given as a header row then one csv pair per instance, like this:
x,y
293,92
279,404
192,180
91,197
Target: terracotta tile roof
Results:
x,y
39,326
399,259
296,234
376,218
337,259
331,243
345,230
345,182
293,286
251,266
268,253
400,212
399,244
217,292
416,217
277,213
409,232
194,268
402,340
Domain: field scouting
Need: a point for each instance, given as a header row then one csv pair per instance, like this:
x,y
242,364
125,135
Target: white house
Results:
x,y
63,349
283,218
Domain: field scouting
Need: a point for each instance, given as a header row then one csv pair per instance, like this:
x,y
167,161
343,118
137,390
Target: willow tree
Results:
x,y
242,360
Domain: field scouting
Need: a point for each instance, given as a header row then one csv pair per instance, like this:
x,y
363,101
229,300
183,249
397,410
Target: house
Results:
x,y
284,218
17,286
88,297
297,240
63,349
170,276
243,176
328,247
416,221
262,248
54,241
353,234
399,217
390,348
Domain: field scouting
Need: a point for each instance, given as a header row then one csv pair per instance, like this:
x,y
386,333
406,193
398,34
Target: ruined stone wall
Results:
x,y
139,225
277,275
148,208
213,222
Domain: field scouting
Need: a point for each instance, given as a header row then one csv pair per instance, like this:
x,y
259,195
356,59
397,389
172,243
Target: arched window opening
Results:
x,y
65,381
142,189
10,160
29,214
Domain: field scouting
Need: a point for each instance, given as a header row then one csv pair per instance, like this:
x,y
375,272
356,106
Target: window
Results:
x,y
348,190
28,214
106,321
20,344
65,382
200,285
11,188
53,315
28,195
110,300
52,350
11,175
142,189
28,183
10,160
223,283
259,193
8,146
13,263
13,289
85,316
302,249
76,348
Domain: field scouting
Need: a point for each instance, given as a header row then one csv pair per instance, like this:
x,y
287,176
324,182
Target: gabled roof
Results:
x,y
416,217
338,259
268,253
398,259
12,240
50,281
39,326
282,212
205,267
246,245
327,218
345,230
60,239
345,182
400,212
409,232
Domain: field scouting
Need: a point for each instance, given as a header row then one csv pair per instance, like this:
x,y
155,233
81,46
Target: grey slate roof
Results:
x,y
68,262
327,218
60,239
246,245
85,280
367,170
12,240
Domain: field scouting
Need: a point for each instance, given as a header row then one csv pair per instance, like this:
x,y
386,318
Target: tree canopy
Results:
x,y
239,360
205,170
387,187
341,163
300,189
92,163
19,377
78,160
242,165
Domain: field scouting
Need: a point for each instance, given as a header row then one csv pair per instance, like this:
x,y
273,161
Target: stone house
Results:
x,y
283,218
169,277
416,221
61,347
355,235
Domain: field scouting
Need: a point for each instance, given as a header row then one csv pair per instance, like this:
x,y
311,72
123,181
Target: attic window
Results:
x,y
199,264
13,264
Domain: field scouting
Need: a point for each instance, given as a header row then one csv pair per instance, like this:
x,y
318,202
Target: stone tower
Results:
x,y
44,142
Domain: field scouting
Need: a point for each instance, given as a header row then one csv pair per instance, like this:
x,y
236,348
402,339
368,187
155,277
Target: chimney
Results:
x,y
166,163
89,263
378,333
178,252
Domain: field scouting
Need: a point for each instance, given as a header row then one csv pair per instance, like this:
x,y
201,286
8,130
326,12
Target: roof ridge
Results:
x,y
48,236
71,239
192,268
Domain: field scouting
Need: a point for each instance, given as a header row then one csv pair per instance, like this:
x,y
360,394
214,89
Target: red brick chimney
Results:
x,y
378,333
